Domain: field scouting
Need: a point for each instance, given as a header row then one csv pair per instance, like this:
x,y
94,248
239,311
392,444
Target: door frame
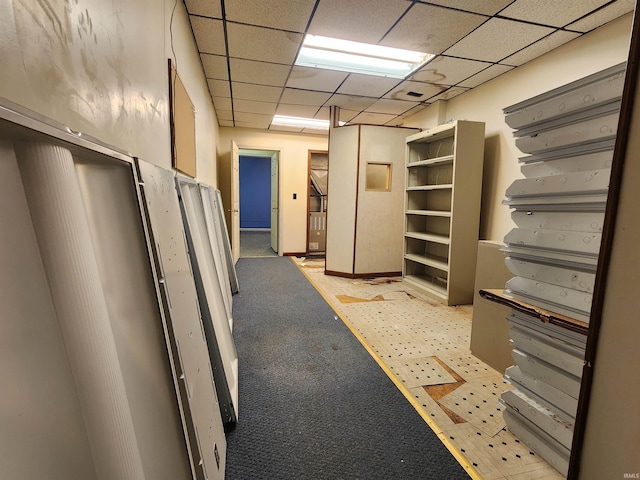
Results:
x,y
309,154
274,155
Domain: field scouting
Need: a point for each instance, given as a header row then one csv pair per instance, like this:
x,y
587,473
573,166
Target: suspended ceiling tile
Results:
x,y
449,94
225,123
484,76
448,70
224,115
350,102
608,13
252,120
294,96
204,8
431,29
486,7
357,20
346,115
263,44
367,85
497,39
401,119
251,106
315,131
407,89
373,118
322,113
282,128
540,47
250,71
222,103
308,78
215,66
395,107
219,88
280,14
557,13
209,35
260,93
302,111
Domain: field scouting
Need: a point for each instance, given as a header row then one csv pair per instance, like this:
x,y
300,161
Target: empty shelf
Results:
x,y
429,237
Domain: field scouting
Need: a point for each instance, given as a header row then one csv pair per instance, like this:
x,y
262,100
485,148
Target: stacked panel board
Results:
x,y
105,346
558,207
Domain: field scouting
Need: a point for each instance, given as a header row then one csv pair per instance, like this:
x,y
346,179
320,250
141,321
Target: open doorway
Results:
x,y
317,194
258,202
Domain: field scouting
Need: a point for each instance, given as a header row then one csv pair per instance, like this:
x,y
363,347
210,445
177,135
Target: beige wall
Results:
x,y
602,48
100,67
294,153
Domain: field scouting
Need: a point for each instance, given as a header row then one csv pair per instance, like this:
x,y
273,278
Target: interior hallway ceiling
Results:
x,y
248,49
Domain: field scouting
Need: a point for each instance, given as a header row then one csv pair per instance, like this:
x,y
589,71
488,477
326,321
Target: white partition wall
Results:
x,y
365,200
342,188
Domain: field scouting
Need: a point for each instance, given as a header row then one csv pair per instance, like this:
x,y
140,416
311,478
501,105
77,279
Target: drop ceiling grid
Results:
x,y
496,39
476,41
556,13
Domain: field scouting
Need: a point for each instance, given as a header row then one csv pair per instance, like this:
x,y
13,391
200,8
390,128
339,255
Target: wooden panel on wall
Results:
x,y
183,125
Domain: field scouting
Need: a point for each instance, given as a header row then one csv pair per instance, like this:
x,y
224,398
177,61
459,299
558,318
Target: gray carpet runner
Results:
x,y
313,404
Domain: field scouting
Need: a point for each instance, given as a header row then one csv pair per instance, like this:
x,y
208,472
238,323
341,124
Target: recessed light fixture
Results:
x,y
299,122
355,57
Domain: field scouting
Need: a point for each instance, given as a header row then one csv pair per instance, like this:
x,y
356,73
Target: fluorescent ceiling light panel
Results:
x,y
355,57
299,122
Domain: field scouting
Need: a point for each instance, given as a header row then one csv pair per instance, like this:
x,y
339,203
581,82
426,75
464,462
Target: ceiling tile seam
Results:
x,y
488,19
306,29
505,7
601,7
195,43
281,30
226,47
536,24
455,9
473,75
384,113
491,64
205,16
396,22
525,47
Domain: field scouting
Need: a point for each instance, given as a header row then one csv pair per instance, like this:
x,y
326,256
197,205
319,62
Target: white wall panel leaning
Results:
x,y
216,316
104,363
553,251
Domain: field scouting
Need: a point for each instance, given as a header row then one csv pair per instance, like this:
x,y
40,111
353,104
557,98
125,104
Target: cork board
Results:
x,y
183,125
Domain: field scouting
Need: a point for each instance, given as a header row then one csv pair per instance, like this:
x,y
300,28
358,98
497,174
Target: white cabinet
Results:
x,y
442,210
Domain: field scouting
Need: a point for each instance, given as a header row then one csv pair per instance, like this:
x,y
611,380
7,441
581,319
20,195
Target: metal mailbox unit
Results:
x,y
558,208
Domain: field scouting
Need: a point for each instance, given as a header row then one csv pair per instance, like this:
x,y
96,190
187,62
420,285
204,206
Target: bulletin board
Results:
x,y
183,125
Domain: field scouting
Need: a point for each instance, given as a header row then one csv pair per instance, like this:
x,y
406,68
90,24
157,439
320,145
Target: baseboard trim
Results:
x,y
294,254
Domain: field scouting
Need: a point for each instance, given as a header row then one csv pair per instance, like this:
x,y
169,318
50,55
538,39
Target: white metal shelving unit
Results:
x,y
442,210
